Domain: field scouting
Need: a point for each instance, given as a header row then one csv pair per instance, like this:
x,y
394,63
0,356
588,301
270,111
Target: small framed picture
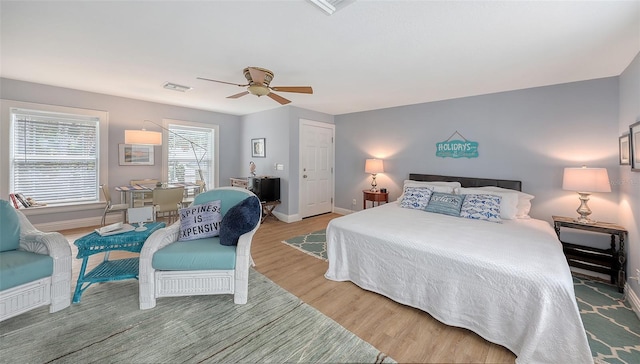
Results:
x,y
625,150
634,139
135,155
258,148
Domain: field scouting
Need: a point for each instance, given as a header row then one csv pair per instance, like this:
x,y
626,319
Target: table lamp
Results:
x,y
373,166
585,181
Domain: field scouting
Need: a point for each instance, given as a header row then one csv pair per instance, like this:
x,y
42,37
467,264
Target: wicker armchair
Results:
x,y
191,280
25,294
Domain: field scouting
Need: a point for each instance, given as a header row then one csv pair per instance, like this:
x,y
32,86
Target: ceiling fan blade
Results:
x,y
238,95
228,83
257,75
298,89
278,98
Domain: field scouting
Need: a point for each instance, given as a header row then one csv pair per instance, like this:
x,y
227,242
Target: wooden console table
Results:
x,y
607,261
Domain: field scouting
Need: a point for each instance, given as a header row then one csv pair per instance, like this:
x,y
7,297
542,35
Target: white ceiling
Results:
x,y
368,55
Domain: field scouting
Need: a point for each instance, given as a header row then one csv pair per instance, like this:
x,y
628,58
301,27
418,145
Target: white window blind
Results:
x,y
182,162
54,156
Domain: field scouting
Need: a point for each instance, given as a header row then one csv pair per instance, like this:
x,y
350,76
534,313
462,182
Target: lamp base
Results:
x,y
374,184
584,211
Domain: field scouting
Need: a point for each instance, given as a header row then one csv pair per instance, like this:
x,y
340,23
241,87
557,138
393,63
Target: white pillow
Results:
x,y
435,186
508,203
524,200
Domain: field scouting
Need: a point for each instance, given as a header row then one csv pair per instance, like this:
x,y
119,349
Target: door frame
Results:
x,y
320,124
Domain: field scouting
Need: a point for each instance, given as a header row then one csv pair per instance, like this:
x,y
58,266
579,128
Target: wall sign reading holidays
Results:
x,y
457,148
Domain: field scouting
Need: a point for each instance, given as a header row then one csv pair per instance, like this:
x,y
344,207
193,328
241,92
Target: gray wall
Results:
x,y
528,135
127,114
628,181
281,128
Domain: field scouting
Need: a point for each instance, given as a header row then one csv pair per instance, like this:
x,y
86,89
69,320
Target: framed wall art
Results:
x,y
634,139
258,148
135,155
624,150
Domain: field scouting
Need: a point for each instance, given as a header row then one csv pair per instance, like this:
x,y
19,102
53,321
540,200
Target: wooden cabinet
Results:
x,y
607,261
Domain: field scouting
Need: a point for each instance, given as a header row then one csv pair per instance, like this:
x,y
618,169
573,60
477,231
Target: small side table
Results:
x,y
267,209
374,197
110,270
607,261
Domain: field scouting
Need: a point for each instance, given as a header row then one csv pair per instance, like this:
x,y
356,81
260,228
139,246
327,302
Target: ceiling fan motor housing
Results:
x,y
258,89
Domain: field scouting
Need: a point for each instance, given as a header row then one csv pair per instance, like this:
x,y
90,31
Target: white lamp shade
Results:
x,y
142,137
373,166
586,180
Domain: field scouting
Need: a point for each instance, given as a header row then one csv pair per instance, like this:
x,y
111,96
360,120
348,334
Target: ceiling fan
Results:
x,y
258,84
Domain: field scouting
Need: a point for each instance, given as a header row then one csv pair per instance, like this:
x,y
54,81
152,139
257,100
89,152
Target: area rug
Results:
x,y
613,329
108,327
314,244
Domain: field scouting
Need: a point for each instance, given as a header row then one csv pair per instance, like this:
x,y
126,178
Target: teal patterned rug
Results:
x,y
613,329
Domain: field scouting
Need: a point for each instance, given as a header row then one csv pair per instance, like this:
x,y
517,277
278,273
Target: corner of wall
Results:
x,y
633,299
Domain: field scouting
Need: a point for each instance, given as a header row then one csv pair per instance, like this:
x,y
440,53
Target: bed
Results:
x,y
509,282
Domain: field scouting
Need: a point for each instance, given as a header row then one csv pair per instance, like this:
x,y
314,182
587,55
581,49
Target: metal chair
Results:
x,y
111,207
146,198
191,193
167,202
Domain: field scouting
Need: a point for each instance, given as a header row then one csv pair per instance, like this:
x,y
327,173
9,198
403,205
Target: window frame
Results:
x,y
6,107
216,146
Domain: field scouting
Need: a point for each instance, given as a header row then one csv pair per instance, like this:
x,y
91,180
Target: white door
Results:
x,y
316,168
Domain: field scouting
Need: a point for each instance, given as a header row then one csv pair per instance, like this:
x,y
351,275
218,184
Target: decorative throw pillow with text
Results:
x,y
445,203
200,221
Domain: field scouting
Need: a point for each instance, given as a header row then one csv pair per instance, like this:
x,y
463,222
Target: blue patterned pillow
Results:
x,y
445,203
481,207
416,198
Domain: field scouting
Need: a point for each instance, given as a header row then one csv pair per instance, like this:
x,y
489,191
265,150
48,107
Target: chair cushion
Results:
x,y
10,227
200,221
19,267
240,219
201,254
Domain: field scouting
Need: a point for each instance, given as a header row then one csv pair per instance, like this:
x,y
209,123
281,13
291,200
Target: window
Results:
x,y
54,153
191,148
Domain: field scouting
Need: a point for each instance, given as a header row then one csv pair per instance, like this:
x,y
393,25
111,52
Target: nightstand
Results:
x,y
374,197
607,261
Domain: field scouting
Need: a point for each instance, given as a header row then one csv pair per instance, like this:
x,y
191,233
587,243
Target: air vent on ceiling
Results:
x,y
176,87
331,6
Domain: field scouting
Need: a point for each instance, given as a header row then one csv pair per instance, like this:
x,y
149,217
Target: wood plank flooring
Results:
x,y
406,334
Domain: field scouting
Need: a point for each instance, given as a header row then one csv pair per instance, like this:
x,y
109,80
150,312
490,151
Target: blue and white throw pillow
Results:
x,y
416,197
445,203
481,207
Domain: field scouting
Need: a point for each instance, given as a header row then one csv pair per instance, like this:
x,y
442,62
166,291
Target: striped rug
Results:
x,y
108,327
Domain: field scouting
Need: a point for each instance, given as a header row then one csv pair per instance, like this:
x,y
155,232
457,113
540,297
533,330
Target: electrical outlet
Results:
x,y
353,202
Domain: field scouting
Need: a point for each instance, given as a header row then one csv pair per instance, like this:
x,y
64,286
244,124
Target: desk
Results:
x,y
607,261
133,190
110,270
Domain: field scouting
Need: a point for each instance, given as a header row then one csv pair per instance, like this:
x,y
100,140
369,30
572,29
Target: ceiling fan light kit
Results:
x,y
259,80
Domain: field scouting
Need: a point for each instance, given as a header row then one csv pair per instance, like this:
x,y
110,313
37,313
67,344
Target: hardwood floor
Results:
x,y
406,334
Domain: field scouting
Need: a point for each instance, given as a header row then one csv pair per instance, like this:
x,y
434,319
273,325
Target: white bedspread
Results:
x,y
509,282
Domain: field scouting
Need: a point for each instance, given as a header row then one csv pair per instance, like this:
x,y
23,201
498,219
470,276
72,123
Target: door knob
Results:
x,y
304,176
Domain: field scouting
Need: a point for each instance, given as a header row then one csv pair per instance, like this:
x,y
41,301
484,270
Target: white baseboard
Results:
x,y
633,299
342,211
76,223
